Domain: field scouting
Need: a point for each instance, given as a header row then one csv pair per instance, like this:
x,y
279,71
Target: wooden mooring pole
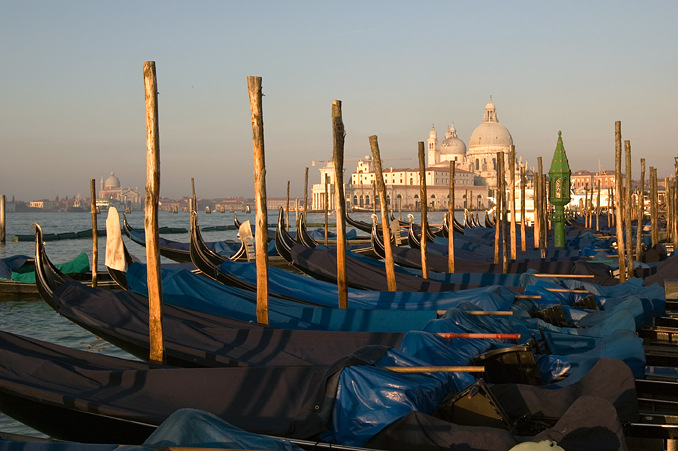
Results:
x,y
194,206
2,219
543,233
338,134
619,213
598,209
424,209
386,232
450,217
261,230
587,217
95,241
654,207
536,182
287,210
497,212
306,194
157,352
627,211
327,204
512,193
504,218
523,219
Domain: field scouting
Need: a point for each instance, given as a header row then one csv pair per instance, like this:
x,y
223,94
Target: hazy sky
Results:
x,y
72,93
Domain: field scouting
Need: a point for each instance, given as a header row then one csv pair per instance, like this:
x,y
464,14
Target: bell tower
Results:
x,y
432,147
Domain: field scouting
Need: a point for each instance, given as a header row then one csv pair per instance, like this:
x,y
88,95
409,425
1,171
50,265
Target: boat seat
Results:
x,y
475,405
512,365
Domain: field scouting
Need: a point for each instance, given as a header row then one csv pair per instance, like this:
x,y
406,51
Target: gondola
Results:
x,y
411,258
302,233
363,273
360,225
489,223
92,398
192,338
125,399
209,265
178,252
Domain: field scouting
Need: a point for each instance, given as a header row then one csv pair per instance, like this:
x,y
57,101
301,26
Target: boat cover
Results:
x,y
470,246
200,429
184,428
298,402
325,293
199,339
322,263
185,289
579,417
13,267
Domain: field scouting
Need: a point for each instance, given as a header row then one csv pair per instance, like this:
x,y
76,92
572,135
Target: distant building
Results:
x,y
475,171
111,189
579,180
274,203
45,204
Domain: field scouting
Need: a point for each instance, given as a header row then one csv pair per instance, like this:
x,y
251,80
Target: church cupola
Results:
x,y
490,112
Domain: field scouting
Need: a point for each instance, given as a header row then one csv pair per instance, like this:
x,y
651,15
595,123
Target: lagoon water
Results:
x,y
31,317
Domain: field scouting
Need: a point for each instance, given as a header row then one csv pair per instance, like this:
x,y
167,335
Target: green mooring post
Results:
x,y
559,190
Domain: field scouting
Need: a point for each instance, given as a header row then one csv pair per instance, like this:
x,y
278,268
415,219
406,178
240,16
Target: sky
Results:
x,y
72,92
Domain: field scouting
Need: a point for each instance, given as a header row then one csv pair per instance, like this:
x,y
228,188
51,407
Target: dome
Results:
x,y
452,145
490,132
112,182
433,134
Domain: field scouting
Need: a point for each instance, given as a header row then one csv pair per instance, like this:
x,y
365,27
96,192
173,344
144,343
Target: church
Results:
x,y
112,190
486,140
475,171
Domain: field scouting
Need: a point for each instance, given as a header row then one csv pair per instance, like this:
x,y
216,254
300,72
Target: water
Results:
x,y
29,316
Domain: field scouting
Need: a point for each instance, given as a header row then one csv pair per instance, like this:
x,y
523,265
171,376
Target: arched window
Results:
x,y
367,201
388,200
477,164
362,204
355,199
494,164
411,181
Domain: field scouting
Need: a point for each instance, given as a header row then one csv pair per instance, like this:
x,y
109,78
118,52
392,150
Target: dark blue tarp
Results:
x,y
311,290
185,289
10,264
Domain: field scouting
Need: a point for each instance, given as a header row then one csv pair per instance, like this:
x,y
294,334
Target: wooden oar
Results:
x,y
483,312
434,369
566,290
569,276
528,296
450,335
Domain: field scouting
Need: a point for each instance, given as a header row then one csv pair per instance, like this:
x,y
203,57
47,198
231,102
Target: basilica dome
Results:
x,y
452,145
490,132
112,182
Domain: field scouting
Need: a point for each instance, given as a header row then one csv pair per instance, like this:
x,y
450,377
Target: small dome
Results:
x,y
433,134
452,145
112,182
